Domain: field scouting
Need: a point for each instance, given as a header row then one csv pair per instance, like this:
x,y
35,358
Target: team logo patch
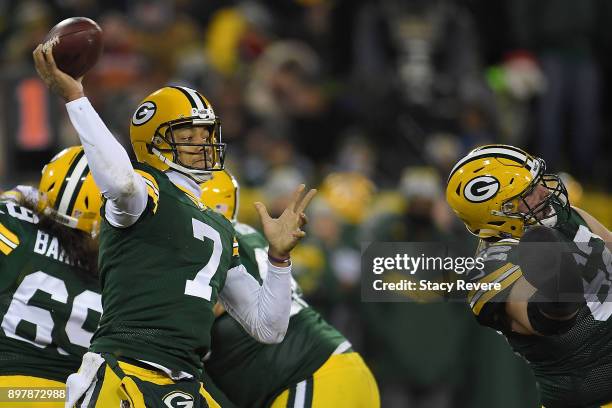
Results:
x,y
178,399
144,113
481,189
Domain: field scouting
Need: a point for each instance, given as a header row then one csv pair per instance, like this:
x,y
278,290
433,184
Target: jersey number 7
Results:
x,y
200,285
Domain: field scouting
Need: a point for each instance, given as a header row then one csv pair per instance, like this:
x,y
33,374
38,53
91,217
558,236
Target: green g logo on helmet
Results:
x,y
486,187
144,113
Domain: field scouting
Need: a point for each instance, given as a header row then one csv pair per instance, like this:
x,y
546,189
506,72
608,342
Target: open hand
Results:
x,y
284,232
60,83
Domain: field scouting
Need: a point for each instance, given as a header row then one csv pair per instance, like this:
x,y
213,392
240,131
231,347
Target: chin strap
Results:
x,y
199,176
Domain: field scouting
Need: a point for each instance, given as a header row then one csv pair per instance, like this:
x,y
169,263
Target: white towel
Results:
x,y
77,384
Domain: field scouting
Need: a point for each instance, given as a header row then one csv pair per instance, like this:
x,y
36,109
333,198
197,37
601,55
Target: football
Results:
x,y
76,44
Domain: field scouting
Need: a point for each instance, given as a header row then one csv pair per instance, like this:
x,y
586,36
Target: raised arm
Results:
x,y
109,162
548,300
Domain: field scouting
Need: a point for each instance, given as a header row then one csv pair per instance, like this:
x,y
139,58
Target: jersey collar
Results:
x,y
184,183
187,186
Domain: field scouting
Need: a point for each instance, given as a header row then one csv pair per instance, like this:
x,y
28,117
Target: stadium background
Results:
x,y
371,101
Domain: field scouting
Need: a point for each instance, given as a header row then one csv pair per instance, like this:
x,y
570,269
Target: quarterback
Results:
x,y
50,298
165,258
539,249
314,366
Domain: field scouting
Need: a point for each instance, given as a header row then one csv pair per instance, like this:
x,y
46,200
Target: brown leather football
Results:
x,y
76,43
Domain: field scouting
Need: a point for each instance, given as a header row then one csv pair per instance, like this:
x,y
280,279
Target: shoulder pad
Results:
x,y
152,187
11,217
499,267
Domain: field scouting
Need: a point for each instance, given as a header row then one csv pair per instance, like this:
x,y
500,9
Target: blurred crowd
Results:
x,y
370,101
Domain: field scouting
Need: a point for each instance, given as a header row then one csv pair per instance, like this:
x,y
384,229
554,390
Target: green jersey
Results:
x,y
49,307
250,373
161,278
575,368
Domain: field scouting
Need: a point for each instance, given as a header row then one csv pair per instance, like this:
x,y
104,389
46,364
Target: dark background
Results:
x,y
370,101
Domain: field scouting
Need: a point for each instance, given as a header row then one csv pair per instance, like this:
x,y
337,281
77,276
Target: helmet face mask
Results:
x,y
162,115
549,210
213,153
500,190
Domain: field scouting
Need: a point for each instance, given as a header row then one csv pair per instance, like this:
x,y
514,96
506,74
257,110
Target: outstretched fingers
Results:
x,y
301,206
295,197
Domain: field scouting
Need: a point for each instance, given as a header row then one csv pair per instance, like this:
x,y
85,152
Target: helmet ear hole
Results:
x,y
87,202
51,187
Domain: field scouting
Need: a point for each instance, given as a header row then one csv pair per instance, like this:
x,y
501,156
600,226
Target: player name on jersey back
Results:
x,y
48,245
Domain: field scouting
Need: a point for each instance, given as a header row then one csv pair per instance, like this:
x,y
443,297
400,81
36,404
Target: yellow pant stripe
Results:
x,y
152,376
301,394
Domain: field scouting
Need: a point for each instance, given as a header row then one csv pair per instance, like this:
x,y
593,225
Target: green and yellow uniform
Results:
x,y
573,369
313,366
161,278
48,305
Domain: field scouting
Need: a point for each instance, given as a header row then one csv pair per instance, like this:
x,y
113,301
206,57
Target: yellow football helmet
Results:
x,y
221,193
68,192
165,110
349,194
485,188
